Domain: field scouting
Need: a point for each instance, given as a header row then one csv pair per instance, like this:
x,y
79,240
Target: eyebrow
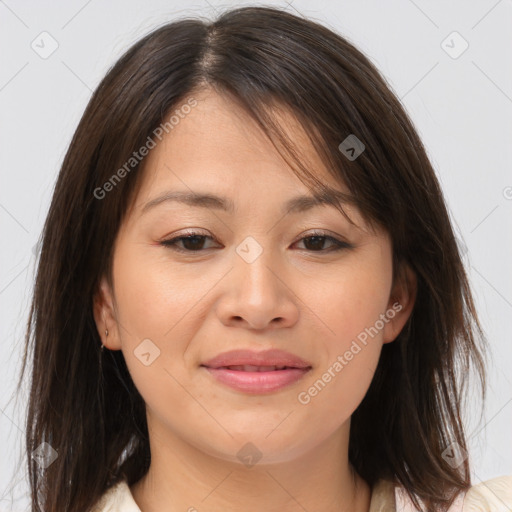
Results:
x,y
330,197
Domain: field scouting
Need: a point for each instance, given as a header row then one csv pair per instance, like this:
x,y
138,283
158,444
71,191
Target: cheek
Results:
x,y
352,302
152,314
149,305
351,310
351,351
332,395
153,295
159,312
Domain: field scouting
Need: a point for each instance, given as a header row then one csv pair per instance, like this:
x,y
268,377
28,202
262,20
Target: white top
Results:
x,y
491,496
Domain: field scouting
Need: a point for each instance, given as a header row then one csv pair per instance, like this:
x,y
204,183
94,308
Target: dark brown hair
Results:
x,y
84,403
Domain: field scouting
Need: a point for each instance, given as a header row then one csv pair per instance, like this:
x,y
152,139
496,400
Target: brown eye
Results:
x,y
193,242
315,243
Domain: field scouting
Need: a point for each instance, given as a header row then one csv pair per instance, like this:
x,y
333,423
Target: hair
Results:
x,y
84,403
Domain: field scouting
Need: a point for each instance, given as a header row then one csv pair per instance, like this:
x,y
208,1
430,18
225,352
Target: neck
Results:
x,y
183,478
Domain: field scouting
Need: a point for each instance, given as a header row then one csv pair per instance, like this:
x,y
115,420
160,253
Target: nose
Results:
x,y
258,296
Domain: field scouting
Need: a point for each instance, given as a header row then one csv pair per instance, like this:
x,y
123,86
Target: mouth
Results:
x,y
253,372
253,368
253,379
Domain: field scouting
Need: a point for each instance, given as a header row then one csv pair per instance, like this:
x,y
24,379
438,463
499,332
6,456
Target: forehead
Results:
x,y
217,141
217,149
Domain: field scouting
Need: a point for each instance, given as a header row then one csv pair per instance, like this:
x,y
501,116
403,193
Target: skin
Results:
x,y
296,296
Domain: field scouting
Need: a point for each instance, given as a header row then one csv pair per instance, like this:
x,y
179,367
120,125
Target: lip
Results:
x,y
261,380
272,357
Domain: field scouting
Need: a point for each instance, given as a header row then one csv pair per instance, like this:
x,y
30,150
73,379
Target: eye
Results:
x,y
317,239
193,242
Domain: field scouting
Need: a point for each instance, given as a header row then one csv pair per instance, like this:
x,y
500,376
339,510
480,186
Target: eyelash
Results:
x,y
338,244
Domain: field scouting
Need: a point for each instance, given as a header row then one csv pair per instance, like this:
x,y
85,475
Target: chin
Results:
x,y
256,447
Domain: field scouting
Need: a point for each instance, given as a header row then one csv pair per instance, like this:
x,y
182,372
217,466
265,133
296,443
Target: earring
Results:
x,y
102,345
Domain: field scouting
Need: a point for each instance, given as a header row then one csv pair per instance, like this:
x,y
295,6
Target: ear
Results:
x,y
105,317
401,303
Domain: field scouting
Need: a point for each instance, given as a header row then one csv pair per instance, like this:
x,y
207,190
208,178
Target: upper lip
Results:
x,y
272,357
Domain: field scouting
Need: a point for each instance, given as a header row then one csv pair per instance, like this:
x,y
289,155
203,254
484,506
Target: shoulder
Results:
x,y
383,496
490,496
117,498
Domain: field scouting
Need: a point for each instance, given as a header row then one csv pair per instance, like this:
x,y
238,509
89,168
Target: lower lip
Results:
x,y
258,382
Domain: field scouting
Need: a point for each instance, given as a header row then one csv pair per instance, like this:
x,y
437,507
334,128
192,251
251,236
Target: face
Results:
x,y
254,278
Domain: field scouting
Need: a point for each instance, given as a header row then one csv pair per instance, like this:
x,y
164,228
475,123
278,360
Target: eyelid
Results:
x,y
320,232
337,241
201,232
171,242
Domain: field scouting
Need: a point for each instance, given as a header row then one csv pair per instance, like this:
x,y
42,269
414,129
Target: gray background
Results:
x,y
461,107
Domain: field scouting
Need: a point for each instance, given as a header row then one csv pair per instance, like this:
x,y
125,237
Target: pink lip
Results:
x,y
257,381
264,358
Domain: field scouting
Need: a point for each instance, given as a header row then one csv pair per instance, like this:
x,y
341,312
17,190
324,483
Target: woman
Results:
x,y
249,295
